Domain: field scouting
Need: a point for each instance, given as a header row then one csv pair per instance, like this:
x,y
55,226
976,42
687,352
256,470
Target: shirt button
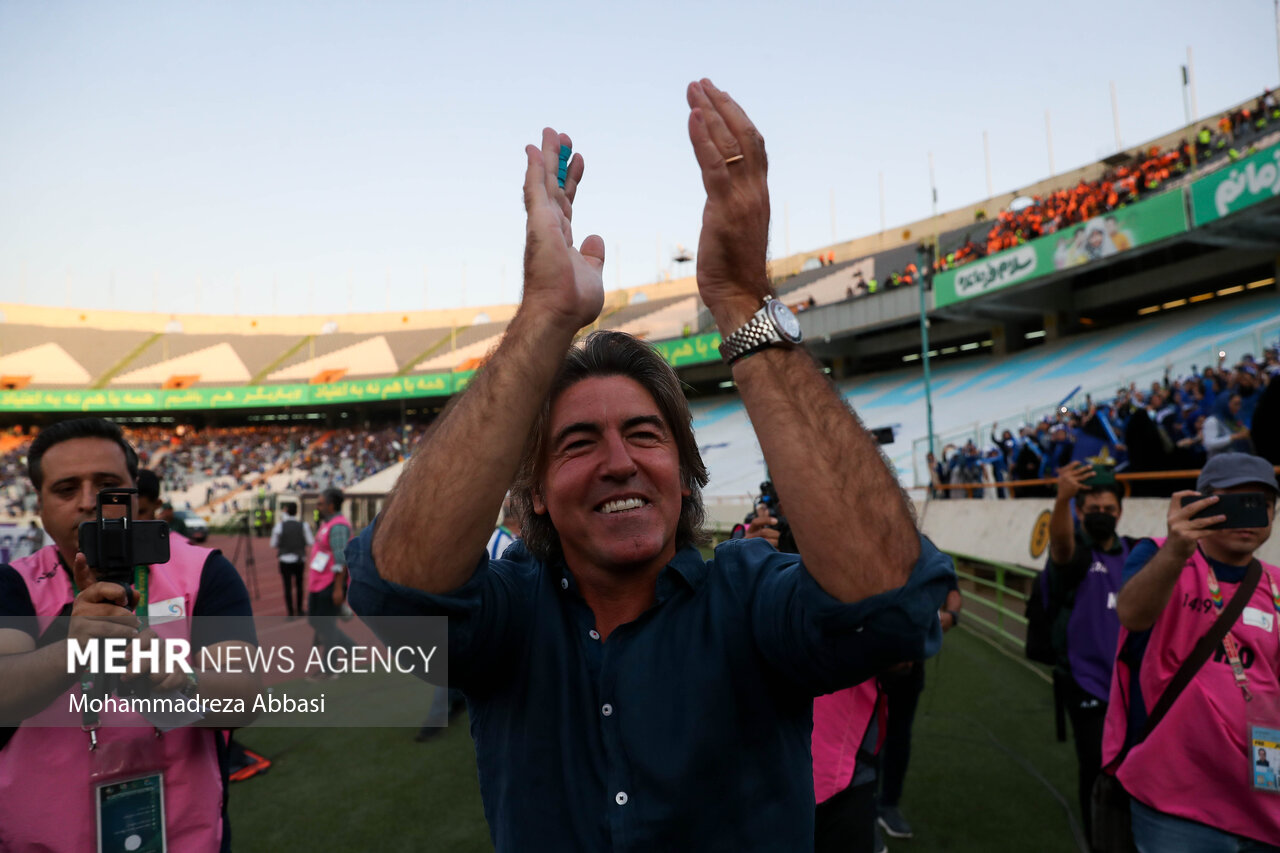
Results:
x,y
593,634
607,710
621,799
564,583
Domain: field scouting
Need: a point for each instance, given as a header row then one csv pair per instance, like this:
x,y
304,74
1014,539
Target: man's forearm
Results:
x,y
32,680
440,514
1145,596
1062,534
850,517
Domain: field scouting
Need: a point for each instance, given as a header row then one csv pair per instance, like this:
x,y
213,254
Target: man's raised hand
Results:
x,y
1073,477
732,278
557,277
1185,531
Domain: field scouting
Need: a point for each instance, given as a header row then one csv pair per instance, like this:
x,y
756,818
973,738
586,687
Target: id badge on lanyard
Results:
x,y
1264,752
126,775
1262,711
128,793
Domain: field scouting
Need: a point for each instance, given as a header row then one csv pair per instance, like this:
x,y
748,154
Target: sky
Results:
x,y
280,157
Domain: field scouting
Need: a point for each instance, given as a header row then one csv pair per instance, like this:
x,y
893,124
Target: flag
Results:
x,y
1096,443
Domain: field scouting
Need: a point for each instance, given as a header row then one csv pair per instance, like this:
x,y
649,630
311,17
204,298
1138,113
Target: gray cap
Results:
x,y
1236,469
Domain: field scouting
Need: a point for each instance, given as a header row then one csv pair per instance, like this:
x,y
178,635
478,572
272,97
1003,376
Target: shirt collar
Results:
x,y
687,565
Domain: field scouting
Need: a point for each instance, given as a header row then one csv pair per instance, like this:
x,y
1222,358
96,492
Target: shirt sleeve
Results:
x,y
1063,579
222,610
485,614
823,645
1138,558
16,610
339,536
275,534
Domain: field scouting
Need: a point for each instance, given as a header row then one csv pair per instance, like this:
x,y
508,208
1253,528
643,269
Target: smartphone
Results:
x,y
1242,509
113,546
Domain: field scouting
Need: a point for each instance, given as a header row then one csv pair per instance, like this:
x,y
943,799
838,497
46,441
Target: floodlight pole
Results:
x,y
921,266
924,343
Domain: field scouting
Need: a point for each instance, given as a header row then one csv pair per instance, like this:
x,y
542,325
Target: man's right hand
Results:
x,y
1073,477
557,277
101,610
763,526
1186,532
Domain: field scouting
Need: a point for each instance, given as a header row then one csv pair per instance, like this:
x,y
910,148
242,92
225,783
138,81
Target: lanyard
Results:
x,y
89,717
1229,642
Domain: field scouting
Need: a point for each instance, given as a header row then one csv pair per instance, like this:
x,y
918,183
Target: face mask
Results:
x,y
1100,526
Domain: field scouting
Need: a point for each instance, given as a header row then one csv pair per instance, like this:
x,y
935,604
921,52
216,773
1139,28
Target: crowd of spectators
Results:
x,y
204,466
1146,173
1174,425
346,457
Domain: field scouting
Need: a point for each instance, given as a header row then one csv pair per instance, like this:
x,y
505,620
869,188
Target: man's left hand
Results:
x,y
339,591
732,278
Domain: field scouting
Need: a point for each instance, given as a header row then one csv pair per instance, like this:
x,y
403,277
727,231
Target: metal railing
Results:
x,y
988,601
1125,478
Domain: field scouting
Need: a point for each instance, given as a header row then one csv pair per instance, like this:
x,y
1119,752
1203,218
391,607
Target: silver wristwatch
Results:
x,y
772,326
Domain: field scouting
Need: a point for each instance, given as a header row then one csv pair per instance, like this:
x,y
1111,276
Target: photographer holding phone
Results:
x,y
1189,777
59,785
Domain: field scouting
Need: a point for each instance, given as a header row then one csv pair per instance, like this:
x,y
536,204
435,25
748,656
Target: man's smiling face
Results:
x,y
611,477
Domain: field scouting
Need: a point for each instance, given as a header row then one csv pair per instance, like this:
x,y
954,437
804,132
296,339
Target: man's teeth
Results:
x,y
620,506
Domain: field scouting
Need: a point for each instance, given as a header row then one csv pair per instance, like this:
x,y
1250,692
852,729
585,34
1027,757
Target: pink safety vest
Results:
x,y
320,581
46,793
840,722
1196,763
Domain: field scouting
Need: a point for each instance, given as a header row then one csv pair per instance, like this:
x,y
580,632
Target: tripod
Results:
x,y
245,540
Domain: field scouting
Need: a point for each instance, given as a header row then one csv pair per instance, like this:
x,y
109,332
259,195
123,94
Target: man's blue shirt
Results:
x,y
689,729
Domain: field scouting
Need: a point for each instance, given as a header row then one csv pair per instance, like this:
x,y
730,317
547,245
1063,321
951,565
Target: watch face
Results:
x,y
786,322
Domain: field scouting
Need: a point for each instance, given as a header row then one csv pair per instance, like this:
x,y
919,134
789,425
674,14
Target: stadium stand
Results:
x,y
369,357
463,346
42,364
217,364
95,350
671,320
973,396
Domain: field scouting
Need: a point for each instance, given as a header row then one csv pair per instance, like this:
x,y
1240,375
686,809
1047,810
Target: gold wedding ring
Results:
x,y
734,159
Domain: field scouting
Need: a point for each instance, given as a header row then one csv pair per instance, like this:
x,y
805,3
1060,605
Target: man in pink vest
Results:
x,y
56,792
1191,778
327,574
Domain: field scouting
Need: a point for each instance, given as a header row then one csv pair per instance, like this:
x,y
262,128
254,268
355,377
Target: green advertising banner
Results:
x,y
678,353
695,350
237,397
1098,238
1246,183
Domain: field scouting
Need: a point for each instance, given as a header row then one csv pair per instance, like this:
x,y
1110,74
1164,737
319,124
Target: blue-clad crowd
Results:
x,y
1176,424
